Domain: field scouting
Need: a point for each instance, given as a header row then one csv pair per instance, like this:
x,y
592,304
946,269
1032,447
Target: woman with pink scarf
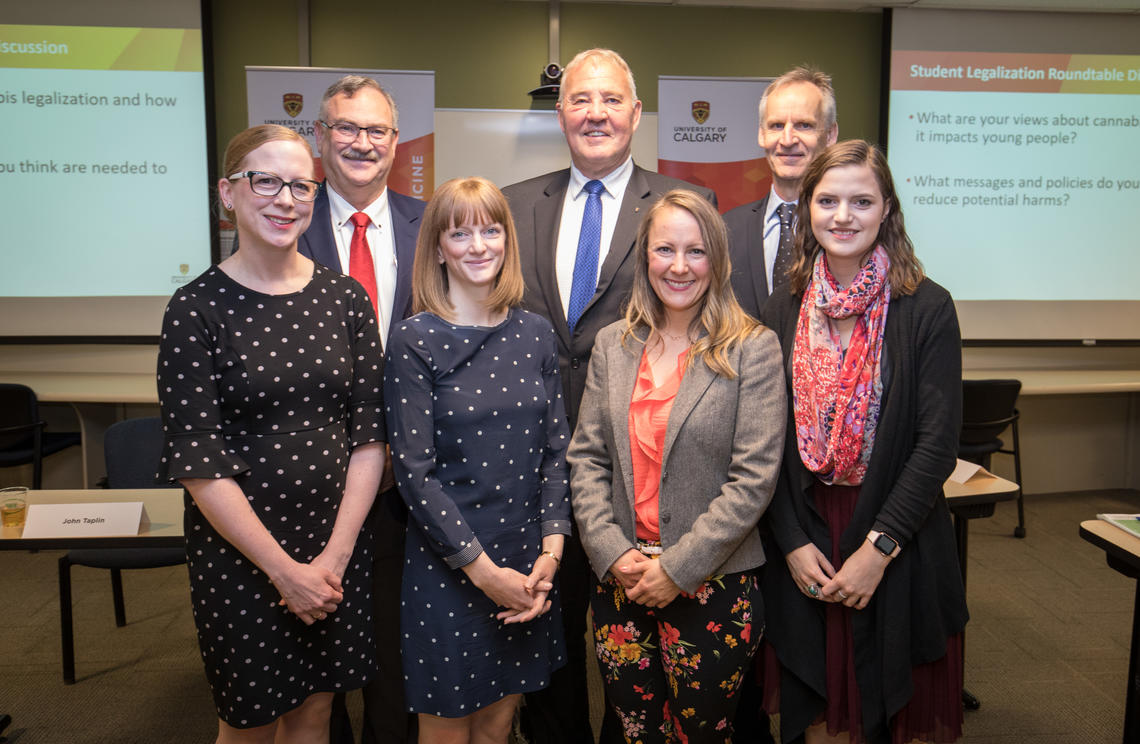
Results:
x,y
866,612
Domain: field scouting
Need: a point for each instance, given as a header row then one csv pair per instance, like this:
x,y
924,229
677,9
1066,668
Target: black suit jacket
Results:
x,y
319,244
536,206
746,249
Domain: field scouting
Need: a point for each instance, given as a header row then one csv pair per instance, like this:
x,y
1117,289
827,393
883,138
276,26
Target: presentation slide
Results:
x,y
105,171
1021,164
1017,160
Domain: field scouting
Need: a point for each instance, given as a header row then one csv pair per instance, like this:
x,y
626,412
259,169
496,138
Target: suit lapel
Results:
x,y
547,218
623,373
633,204
405,228
696,381
317,242
757,259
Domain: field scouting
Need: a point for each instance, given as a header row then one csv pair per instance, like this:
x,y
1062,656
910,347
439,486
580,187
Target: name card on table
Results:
x,y
98,519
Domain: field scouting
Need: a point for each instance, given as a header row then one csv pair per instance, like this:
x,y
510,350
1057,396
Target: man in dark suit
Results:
x,y
797,121
361,227
579,277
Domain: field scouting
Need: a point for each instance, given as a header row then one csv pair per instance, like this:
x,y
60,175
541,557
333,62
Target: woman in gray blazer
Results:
x,y
673,462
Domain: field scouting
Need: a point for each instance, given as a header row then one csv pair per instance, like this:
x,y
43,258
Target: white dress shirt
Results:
x,y
573,207
382,243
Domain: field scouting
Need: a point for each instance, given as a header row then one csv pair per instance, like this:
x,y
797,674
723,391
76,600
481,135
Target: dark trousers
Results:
x,y
672,673
560,714
386,720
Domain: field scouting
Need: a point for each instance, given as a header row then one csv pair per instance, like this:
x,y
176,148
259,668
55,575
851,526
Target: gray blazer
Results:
x,y
723,447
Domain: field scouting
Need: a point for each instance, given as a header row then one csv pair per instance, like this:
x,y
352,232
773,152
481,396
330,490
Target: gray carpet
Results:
x,y
1047,645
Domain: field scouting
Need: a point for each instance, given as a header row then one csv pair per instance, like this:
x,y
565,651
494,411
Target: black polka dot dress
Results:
x,y
273,391
478,435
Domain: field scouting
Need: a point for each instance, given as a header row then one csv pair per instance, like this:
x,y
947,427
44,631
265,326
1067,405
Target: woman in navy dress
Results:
x,y
478,439
269,377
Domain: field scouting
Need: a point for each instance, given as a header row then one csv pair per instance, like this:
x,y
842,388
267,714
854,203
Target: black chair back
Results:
x,y
132,450
988,408
19,417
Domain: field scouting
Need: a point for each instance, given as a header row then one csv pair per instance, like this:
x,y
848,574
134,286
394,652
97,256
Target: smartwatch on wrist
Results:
x,y
883,543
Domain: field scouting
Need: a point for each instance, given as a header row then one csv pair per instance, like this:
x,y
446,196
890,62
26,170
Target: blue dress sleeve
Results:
x,y
555,499
409,394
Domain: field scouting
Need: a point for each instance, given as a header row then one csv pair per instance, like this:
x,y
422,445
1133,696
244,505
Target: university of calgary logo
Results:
x,y
292,103
700,111
183,268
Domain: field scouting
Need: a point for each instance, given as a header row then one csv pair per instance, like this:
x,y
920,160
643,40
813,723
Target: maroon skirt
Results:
x,y
934,712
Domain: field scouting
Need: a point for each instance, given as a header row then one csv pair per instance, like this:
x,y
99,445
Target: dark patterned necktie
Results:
x,y
786,212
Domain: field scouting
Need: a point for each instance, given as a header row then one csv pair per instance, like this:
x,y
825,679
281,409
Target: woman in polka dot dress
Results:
x,y
268,374
478,437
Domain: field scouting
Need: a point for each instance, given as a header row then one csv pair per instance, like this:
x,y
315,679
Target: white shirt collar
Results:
x,y
616,178
340,210
774,202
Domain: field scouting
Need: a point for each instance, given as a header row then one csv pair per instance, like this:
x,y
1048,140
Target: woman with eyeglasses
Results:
x,y
269,376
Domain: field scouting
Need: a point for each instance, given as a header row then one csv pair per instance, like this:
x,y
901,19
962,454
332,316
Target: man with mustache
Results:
x,y
362,228
797,121
578,274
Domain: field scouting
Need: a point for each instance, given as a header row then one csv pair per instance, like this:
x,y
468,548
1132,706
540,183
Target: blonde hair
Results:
x,y
905,273
455,202
726,325
247,141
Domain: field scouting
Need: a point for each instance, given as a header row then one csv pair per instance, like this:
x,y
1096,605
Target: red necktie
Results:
x,y
360,266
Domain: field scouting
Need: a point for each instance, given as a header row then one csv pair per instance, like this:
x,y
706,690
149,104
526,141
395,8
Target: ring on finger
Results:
x,y
320,616
813,590
842,594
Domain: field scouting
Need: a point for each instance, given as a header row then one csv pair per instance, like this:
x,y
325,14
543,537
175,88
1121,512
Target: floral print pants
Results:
x,y
672,674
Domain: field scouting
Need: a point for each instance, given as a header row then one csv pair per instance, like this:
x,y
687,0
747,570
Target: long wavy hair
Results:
x,y
905,273
720,316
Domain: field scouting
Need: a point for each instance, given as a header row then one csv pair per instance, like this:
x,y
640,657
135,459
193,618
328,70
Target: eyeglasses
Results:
x,y
346,131
267,184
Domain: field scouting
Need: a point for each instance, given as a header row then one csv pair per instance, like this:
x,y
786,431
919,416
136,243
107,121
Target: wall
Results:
x,y
489,54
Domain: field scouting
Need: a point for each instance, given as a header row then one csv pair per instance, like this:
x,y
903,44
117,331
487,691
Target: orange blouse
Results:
x,y
648,418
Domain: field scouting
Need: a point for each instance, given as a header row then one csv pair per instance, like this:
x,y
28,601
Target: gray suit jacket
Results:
x,y
746,249
723,447
536,206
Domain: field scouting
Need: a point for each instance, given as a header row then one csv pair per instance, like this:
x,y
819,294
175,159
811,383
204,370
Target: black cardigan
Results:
x,y
920,601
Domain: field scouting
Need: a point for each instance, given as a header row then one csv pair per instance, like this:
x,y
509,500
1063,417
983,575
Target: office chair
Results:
x,y
989,407
132,450
22,436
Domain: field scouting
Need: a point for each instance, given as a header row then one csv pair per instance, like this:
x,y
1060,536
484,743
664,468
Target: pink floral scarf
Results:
x,y
836,395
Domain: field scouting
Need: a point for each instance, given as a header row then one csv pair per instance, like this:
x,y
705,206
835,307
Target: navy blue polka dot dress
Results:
x,y
478,436
273,391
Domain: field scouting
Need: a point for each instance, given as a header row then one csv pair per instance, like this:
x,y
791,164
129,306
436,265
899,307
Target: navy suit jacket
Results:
x,y
746,249
319,244
536,205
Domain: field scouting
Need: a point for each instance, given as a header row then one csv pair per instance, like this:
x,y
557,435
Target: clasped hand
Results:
x,y
309,590
852,585
524,597
643,579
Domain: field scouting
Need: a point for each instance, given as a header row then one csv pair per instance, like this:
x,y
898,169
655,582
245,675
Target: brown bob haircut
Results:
x,y
458,201
905,273
249,140
724,322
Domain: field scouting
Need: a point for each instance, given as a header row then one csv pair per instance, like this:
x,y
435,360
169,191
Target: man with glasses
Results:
x,y
362,228
797,121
